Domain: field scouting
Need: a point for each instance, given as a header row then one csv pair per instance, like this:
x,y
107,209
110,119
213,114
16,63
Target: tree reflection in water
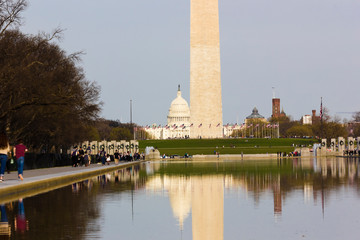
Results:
x,y
195,189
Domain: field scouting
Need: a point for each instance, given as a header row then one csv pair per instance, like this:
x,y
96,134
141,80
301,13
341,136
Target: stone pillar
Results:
x,y
351,143
122,146
341,142
118,146
127,147
84,145
94,147
136,146
111,147
323,145
333,144
132,147
103,145
205,79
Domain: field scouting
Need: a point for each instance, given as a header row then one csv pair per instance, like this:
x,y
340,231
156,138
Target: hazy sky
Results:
x,y
140,50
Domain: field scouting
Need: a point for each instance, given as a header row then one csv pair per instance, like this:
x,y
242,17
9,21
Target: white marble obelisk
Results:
x,y
205,80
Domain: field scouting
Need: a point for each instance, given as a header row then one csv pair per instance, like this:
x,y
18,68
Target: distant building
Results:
x,y
307,119
275,107
178,121
255,116
276,113
257,126
229,129
314,118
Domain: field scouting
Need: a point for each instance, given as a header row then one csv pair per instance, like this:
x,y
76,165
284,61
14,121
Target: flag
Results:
x,y
257,125
210,125
200,125
191,125
218,125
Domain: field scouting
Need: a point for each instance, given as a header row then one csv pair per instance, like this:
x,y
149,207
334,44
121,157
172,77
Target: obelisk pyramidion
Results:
x,y
205,80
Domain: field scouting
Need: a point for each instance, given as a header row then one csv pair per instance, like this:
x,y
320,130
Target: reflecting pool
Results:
x,y
272,199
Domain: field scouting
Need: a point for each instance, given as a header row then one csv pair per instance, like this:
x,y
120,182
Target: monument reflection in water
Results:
x,y
288,199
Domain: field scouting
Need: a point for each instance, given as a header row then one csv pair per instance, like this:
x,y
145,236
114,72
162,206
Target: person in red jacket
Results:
x,y
20,150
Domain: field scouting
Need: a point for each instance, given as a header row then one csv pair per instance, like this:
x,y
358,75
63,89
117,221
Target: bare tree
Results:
x,y
10,13
356,117
44,96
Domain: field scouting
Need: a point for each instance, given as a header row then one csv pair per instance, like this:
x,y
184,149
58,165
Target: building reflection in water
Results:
x,y
202,196
208,207
198,195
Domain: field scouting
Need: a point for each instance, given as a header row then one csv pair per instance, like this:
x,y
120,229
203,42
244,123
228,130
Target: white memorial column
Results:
x,y
333,145
351,143
205,79
341,142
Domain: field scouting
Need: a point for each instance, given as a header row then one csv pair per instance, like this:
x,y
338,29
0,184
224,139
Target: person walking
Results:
x,y
103,156
74,156
81,157
4,150
20,150
116,157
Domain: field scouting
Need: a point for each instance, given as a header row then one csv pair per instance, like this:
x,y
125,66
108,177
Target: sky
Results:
x,y
139,50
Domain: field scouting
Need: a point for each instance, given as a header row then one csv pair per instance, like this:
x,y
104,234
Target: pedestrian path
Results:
x,y
45,179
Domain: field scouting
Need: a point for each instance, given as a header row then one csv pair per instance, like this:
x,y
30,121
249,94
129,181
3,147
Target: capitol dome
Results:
x,y
179,111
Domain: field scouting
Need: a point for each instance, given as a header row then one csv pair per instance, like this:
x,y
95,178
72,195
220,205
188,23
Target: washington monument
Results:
x,y
205,80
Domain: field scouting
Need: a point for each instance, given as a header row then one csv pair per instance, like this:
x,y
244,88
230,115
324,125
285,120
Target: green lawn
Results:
x,y
225,146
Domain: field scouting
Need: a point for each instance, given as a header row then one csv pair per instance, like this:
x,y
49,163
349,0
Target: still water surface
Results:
x,y
291,199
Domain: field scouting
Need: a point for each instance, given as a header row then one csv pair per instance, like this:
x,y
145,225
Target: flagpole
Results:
x,y
321,120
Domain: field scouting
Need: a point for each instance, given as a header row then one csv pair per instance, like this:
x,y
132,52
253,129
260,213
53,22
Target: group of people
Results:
x,y
107,158
80,157
6,153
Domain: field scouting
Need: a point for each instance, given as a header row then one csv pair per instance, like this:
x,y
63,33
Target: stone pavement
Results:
x,y
41,180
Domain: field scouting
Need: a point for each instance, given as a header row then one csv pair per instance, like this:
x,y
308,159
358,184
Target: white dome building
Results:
x,y
178,121
179,111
